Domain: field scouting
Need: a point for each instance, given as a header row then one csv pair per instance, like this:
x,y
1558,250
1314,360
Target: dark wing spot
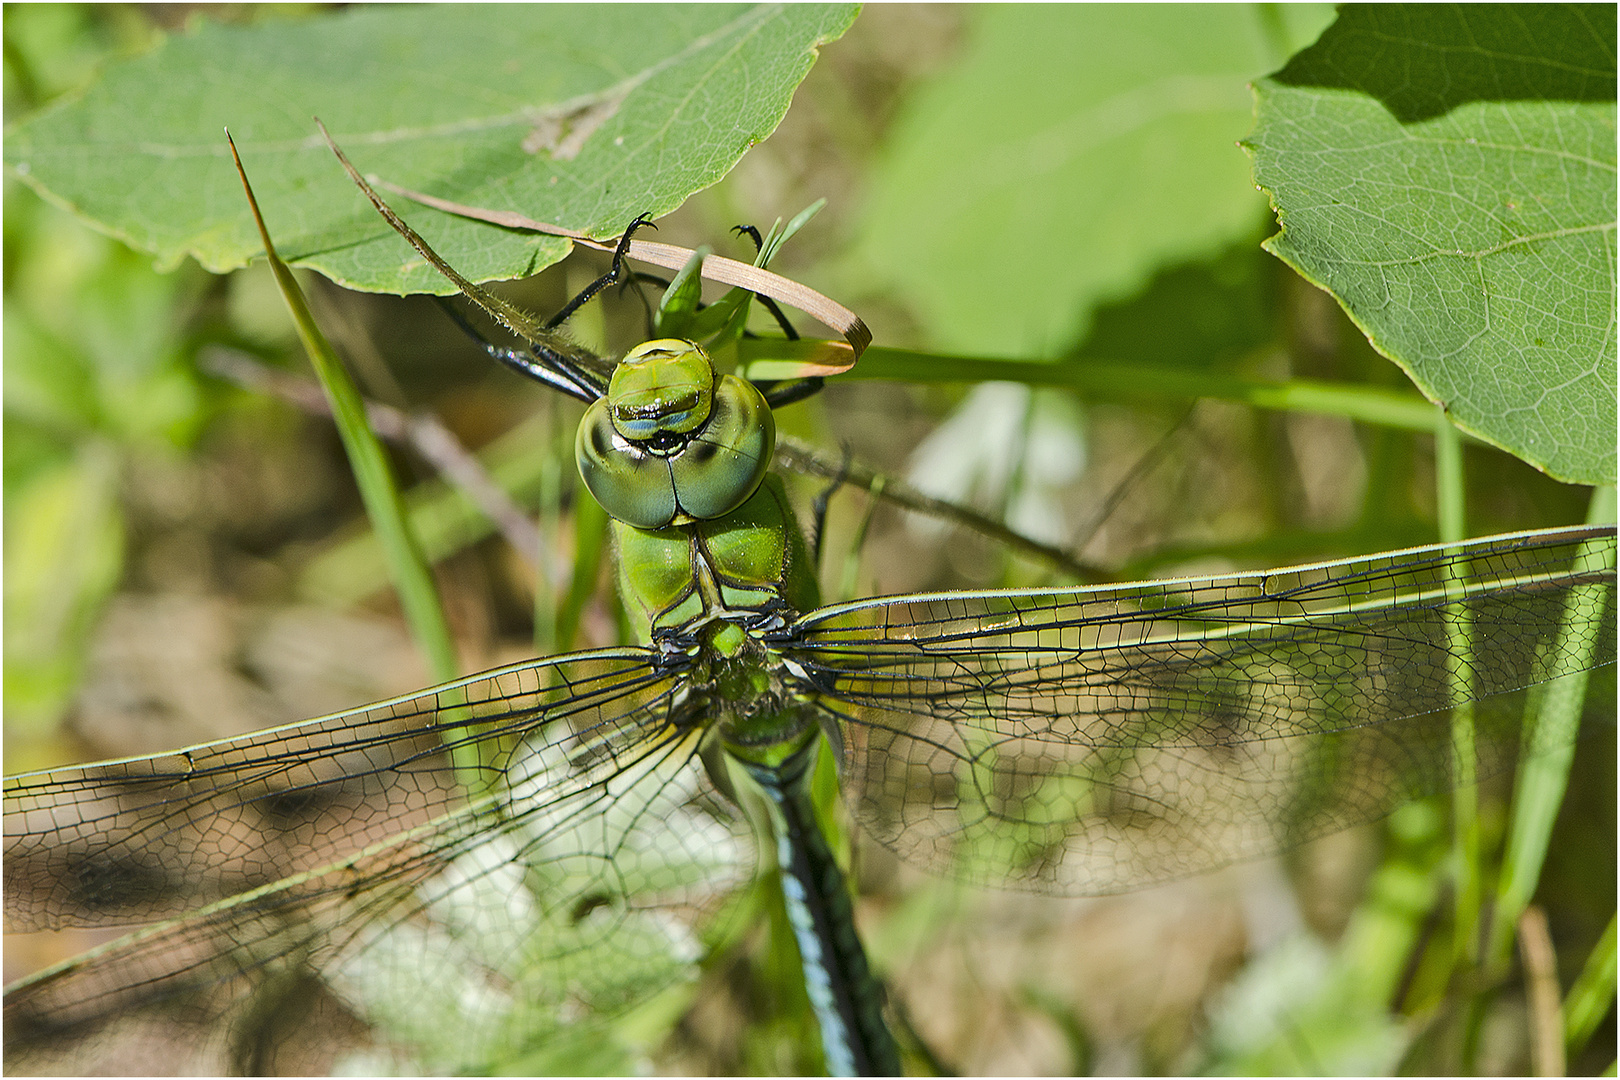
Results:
x,y
103,883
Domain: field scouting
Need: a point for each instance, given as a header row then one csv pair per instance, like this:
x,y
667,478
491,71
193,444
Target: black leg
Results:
x,y
614,274
752,234
648,308
545,363
769,304
778,394
818,507
542,364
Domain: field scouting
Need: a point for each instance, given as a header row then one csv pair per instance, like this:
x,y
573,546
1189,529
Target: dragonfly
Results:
x,y
500,860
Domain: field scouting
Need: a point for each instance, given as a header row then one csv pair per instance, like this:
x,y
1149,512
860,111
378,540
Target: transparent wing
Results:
x,y
1096,739
461,868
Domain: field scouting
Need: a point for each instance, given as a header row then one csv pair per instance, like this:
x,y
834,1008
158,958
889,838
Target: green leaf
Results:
x,y
580,115
1592,995
93,337
1448,174
679,304
1069,154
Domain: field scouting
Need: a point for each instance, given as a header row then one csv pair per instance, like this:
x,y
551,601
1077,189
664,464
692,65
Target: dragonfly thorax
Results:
x,y
762,718
745,573
673,441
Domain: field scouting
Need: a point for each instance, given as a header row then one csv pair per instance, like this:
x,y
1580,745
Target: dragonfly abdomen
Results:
x,y
847,1000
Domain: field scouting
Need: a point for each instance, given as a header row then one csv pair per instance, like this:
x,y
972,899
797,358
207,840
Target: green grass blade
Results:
x,y
1592,996
678,307
773,242
590,548
1450,487
1132,382
1552,721
1450,498
410,573
549,581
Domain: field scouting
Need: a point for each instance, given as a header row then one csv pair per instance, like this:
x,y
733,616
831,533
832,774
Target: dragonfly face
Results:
x,y
673,442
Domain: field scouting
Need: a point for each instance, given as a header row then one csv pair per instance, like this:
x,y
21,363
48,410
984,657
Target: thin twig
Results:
x,y
424,432
1541,991
1127,483
800,457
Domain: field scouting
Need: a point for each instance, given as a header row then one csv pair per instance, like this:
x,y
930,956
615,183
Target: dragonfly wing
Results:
x,y
135,840
1091,740
457,868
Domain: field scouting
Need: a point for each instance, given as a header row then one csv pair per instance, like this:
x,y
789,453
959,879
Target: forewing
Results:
x,y
1097,739
460,869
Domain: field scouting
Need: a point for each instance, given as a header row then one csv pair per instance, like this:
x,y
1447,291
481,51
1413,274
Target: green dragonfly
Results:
x,y
503,858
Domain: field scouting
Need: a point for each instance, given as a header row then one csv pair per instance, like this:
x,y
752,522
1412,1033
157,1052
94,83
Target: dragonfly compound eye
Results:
x,y
724,463
645,460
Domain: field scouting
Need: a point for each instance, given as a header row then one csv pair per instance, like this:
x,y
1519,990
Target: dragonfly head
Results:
x,y
672,441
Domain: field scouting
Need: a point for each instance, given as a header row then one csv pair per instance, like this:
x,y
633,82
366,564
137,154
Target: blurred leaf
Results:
x,y
585,116
64,552
1592,995
93,336
1202,314
1007,449
1070,153
52,49
1303,1007
1290,1012
1448,174
47,381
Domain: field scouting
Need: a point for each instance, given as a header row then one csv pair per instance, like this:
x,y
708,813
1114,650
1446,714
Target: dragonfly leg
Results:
x,y
818,505
614,274
778,394
769,304
548,365
648,307
539,362
640,278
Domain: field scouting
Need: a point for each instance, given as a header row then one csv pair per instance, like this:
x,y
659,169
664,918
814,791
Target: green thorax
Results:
x,y
677,455
752,562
